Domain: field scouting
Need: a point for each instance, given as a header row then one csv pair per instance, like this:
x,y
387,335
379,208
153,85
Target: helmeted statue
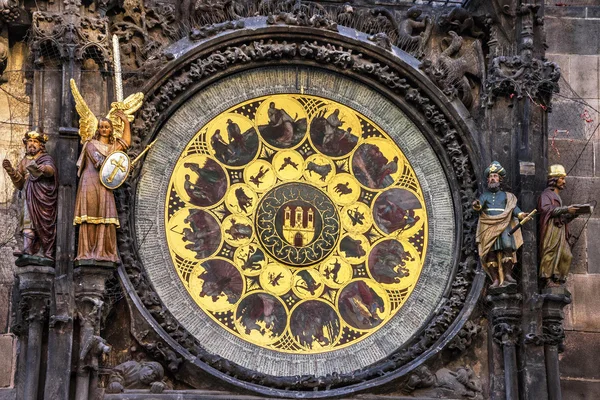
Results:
x,y
36,177
498,214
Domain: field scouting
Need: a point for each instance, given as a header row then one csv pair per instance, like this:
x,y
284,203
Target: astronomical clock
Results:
x,y
298,225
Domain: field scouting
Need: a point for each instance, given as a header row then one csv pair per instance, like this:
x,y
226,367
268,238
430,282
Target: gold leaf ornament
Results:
x,y
88,123
129,106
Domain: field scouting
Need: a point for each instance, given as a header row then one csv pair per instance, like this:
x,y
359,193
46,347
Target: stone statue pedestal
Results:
x,y
28,260
505,317
555,299
89,283
35,288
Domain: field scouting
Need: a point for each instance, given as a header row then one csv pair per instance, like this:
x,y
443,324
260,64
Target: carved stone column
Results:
x,y
553,335
505,318
35,287
89,297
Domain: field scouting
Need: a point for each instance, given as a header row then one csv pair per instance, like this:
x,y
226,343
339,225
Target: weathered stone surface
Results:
x,y
581,359
5,301
580,190
579,264
568,119
8,394
593,12
568,309
596,155
566,151
579,390
7,361
572,12
593,251
574,36
586,302
584,75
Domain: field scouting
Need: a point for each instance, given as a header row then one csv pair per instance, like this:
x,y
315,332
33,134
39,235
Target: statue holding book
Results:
x,y
554,239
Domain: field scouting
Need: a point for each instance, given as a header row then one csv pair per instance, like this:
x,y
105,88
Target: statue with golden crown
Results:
x,y
35,175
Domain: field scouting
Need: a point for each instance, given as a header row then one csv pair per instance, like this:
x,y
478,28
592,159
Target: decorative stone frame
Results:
x,y
395,75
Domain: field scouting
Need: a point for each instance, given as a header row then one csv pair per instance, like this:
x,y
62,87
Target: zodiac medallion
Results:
x,y
296,224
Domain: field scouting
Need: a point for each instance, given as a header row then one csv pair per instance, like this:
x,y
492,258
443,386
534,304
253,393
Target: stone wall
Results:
x,y
14,119
573,35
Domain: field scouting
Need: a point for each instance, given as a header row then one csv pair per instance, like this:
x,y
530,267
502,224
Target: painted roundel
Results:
x,y
296,223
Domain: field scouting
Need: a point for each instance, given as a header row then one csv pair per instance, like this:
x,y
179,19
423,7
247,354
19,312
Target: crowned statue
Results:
x,y
35,176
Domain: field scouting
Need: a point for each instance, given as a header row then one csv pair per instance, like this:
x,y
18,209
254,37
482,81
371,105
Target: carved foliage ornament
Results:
x,y
9,10
522,75
68,39
340,59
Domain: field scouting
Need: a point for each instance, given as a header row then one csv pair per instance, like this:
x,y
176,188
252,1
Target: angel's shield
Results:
x,y
114,170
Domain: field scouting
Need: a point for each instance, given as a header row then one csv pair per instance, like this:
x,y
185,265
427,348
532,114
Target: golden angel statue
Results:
x,y
95,208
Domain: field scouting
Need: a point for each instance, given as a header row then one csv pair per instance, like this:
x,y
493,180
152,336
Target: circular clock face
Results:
x,y
296,223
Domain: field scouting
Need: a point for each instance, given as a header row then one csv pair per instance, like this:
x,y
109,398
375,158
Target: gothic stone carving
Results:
x,y
505,315
143,32
213,29
9,11
341,59
458,68
299,18
59,32
518,76
137,375
462,383
465,336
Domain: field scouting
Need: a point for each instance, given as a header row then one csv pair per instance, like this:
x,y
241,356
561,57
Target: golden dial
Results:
x,y
296,223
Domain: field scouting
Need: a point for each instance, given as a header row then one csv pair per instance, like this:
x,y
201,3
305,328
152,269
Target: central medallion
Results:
x,y
297,224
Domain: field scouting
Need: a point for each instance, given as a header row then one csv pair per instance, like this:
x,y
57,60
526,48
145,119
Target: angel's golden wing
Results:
x,y
129,106
88,123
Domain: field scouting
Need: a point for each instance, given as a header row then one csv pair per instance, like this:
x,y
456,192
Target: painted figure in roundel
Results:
x,y
352,248
387,262
220,278
263,313
236,148
360,306
329,137
395,209
314,324
206,184
282,130
372,168
203,237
